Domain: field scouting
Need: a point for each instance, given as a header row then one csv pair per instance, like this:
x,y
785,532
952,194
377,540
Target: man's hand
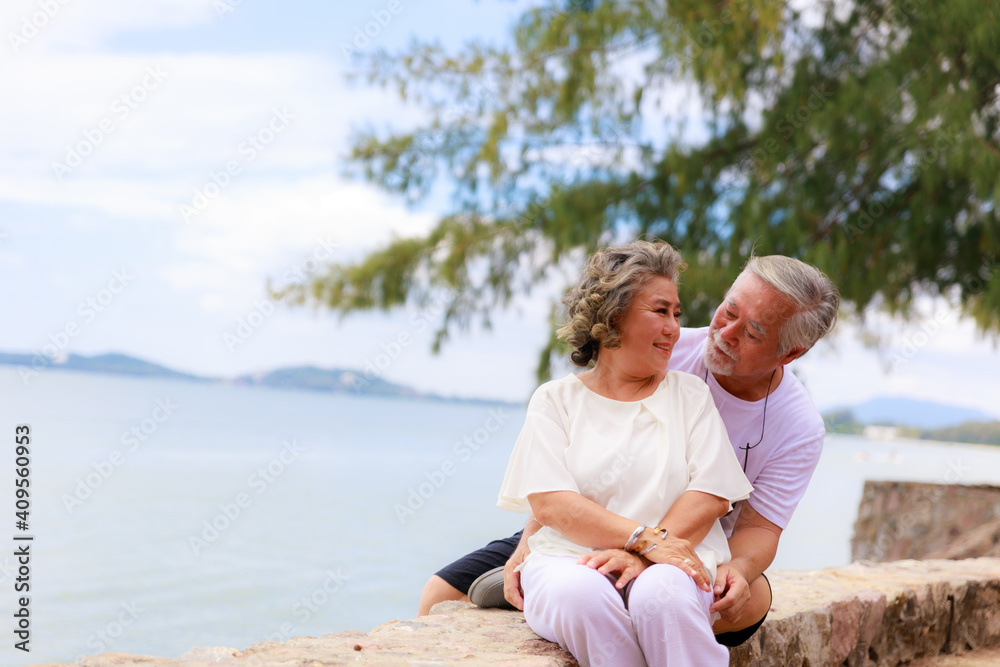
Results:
x,y
627,564
511,579
732,593
680,553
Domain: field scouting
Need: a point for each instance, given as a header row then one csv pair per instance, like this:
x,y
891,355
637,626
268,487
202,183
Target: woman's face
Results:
x,y
649,329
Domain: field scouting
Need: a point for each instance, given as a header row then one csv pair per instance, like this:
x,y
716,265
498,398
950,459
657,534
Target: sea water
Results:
x,y
171,514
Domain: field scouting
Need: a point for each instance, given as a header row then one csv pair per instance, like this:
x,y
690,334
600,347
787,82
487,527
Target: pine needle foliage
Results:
x,y
862,137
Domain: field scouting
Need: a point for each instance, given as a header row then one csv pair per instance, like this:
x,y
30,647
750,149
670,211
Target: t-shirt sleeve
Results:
x,y
781,483
538,462
712,465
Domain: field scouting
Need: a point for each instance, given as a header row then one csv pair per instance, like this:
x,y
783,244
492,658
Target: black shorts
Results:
x,y
467,569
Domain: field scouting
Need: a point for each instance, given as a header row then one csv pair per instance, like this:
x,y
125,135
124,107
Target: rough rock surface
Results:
x,y
978,659
983,540
883,614
898,520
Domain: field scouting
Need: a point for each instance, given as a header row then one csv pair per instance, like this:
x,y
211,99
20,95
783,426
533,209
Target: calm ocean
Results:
x,y
170,514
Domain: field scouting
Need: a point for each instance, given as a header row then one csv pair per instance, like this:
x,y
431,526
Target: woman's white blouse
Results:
x,y
635,458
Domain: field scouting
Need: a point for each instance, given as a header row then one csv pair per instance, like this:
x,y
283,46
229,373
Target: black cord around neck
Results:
x,y
763,420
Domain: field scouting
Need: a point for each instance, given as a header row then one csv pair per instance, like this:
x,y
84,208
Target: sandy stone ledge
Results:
x,y
940,613
878,614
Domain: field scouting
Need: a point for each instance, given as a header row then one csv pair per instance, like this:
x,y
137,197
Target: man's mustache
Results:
x,y
722,345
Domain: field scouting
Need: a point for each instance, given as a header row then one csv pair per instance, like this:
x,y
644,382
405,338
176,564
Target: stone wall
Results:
x,y
879,614
898,520
862,614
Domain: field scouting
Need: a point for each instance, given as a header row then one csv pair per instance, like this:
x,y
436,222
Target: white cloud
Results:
x,y
172,115
263,228
935,356
198,275
278,118
71,24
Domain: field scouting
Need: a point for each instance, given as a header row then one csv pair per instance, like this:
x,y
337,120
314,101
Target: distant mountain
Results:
x,y
984,433
116,364
887,418
916,413
309,378
322,379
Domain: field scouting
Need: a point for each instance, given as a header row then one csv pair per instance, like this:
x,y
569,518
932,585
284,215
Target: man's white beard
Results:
x,y
715,361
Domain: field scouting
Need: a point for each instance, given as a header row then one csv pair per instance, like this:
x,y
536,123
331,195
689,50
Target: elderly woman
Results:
x,y
618,463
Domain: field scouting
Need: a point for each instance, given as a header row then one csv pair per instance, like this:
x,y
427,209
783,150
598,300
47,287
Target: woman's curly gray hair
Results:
x,y
605,291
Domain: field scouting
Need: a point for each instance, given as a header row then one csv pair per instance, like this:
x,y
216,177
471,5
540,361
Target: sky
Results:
x,y
161,161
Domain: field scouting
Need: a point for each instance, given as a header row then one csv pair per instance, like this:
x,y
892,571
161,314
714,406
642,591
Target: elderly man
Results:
x,y
775,311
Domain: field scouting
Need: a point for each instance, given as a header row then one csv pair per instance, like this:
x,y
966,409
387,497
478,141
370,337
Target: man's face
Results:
x,y
743,334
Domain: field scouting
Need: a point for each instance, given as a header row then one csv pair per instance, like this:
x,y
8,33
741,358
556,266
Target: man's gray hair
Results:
x,y
815,297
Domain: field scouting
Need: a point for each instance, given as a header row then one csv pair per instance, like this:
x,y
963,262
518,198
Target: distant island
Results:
x,y
885,418
307,378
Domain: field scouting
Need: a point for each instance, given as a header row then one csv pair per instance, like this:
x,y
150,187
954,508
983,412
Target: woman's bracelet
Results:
x,y
648,549
635,536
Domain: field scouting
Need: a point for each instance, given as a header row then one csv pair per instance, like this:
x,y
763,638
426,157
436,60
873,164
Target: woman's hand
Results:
x,y
679,553
628,564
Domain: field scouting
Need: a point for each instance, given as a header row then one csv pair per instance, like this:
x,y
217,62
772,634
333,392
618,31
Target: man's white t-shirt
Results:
x,y
781,465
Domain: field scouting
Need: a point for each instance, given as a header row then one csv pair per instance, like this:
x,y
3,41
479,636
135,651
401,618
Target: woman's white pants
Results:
x,y
667,622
